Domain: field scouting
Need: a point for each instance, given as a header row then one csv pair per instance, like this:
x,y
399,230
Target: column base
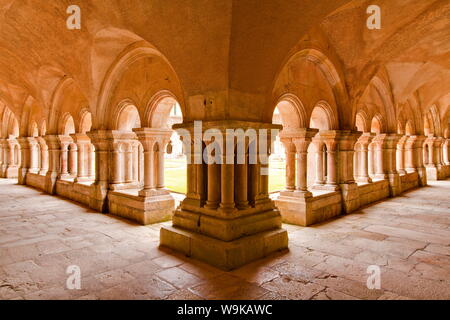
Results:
x,y
306,210
423,178
225,255
363,179
326,187
143,210
12,173
432,173
22,176
83,179
395,184
350,197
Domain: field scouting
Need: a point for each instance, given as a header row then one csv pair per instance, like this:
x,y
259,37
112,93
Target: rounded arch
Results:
x,y
362,119
66,125
434,121
130,55
43,128
335,80
292,111
158,109
33,130
127,117
85,121
323,117
409,128
377,125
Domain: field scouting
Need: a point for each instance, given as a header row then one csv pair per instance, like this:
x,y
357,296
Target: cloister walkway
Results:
x,y
408,237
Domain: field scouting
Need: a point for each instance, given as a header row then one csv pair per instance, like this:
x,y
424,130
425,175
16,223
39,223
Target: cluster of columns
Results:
x,y
10,157
57,157
128,160
227,218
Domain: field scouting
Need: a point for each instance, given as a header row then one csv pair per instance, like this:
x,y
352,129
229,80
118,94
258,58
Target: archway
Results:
x,y
318,160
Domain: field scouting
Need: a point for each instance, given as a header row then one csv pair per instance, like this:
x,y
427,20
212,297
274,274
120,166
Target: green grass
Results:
x,y
277,179
175,175
176,180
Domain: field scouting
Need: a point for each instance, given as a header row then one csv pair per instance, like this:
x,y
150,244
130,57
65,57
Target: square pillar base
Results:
x,y
143,210
225,255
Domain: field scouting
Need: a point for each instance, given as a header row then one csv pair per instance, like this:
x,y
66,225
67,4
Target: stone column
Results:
x,y
446,151
65,142
214,193
386,160
362,156
160,168
302,142
346,141
414,158
102,141
73,160
319,156
91,162
289,147
401,155
44,156
54,151
136,162
228,236
152,141
296,207
439,159
27,145
83,146
331,140
431,162
242,182
128,162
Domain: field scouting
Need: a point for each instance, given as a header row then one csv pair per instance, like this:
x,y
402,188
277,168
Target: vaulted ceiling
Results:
x,y
236,46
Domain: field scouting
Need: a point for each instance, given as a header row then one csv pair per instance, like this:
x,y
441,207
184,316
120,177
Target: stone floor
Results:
x,y
41,235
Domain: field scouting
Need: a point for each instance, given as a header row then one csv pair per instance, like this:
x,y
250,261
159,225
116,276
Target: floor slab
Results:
x,y
408,237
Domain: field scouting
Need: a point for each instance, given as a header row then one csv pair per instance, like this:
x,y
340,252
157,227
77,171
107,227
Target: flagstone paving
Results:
x,y
408,237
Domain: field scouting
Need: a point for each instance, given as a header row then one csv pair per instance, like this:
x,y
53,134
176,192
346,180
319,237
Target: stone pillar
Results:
x,y
160,183
302,142
401,155
44,156
387,161
214,193
54,151
83,145
446,151
27,145
289,147
228,236
362,156
128,161
431,158
346,141
439,159
242,202
331,140
64,154
319,156
136,162
13,157
73,160
414,158
296,206
102,141
91,162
